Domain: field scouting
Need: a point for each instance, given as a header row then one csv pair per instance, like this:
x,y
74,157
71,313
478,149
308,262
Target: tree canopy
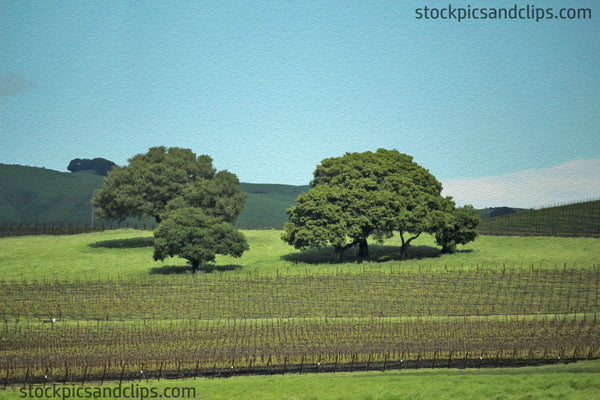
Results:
x,y
150,181
458,228
362,195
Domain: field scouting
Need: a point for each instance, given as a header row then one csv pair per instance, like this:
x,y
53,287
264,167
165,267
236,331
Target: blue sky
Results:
x,y
270,88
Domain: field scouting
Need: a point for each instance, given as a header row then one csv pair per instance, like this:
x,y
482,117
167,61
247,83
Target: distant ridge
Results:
x,y
31,196
266,205
35,196
573,219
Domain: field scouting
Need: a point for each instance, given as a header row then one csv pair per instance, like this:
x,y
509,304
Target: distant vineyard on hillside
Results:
x,y
577,219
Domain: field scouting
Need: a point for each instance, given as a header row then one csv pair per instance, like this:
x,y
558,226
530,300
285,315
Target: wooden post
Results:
x,y
122,373
336,362
84,375
26,377
268,364
103,375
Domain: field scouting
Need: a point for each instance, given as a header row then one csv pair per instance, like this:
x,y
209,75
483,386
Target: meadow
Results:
x,y
127,253
497,302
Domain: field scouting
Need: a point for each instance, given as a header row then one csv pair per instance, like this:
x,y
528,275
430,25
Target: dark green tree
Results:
x,y
150,181
194,205
362,195
100,165
190,233
460,227
319,219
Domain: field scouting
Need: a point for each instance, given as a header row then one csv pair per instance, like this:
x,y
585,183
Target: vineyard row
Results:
x,y
338,295
108,350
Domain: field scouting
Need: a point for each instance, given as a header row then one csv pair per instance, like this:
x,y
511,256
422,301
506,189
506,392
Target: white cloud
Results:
x,y
572,181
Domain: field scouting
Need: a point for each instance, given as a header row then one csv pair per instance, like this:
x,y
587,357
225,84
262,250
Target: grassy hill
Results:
x,y
491,212
577,219
266,205
30,196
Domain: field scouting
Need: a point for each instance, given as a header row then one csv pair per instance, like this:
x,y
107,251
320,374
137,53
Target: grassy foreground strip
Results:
x,y
561,381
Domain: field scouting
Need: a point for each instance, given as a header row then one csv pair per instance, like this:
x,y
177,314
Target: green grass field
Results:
x,y
128,253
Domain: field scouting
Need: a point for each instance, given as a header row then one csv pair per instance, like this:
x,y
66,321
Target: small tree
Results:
x,y
101,166
459,228
190,233
317,220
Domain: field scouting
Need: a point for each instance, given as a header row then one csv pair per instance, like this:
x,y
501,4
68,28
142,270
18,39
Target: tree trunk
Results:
x,y
406,244
404,251
339,251
195,265
363,248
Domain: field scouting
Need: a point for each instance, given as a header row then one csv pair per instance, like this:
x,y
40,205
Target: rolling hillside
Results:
x,y
30,196
266,205
577,219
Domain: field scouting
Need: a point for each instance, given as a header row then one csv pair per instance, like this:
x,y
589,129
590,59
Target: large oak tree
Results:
x,y
150,181
362,195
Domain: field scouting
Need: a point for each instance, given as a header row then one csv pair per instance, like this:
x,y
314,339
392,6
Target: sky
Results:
x,y
268,89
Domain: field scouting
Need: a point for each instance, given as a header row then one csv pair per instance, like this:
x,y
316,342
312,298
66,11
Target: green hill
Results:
x,y
577,219
34,196
266,205
498,211
30,195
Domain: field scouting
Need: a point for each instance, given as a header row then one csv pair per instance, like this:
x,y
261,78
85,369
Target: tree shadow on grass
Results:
x,y
186,269
124,243
377,253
